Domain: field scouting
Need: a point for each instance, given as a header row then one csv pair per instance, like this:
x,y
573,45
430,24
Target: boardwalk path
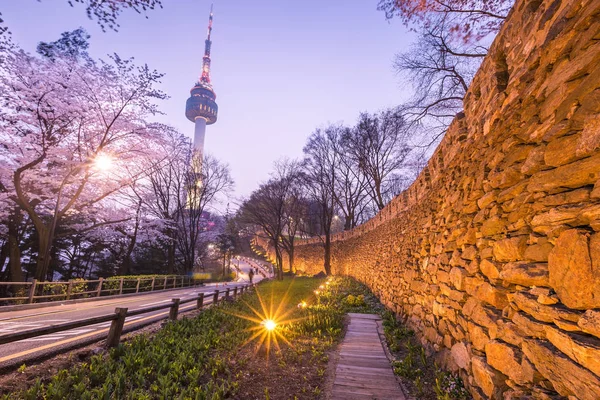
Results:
x,y
363,371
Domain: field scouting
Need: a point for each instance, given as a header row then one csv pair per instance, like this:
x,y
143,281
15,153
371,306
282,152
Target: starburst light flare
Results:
x,y
270,320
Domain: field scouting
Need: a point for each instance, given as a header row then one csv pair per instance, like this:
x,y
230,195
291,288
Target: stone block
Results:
x,y
561,151
525,274
530,305
584,350
511,249
510,361
590,322
461,355
457,276
568,378
490,380
538,252
491,295
489,269
573,274
493,226
574,175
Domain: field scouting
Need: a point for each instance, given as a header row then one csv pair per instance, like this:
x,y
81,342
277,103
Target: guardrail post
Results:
x,y
32,291
200,302
165,283
174,309
121,286
100,281
174,281
116,327
69,289
153,280
137,286
235,292
227,294
216,297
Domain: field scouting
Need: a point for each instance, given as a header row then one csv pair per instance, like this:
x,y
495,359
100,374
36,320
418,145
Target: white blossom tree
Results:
x,y
73,130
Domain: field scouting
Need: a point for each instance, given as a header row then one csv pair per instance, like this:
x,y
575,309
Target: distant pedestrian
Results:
x,y
251,274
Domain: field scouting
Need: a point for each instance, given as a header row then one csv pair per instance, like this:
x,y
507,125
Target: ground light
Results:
x,y
270,320
269,324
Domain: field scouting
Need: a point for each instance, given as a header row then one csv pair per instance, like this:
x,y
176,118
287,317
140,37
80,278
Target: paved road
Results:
x,y
16,321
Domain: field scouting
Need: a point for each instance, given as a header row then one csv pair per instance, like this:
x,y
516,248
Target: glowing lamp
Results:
x,y
269,324
322,287
302,304
317,292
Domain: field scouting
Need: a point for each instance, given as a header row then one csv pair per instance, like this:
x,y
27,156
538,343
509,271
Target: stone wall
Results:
x,y
493,254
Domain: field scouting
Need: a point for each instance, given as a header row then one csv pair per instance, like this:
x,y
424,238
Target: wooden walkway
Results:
x,y
363,371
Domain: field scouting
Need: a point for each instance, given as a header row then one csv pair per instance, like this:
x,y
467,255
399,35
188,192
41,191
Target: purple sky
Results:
x,y
280,68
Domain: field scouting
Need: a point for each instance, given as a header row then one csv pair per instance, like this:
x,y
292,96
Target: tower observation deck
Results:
x,y
201,107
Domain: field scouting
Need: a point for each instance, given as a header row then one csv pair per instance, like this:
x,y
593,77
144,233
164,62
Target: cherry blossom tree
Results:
x,y
472,20
72,130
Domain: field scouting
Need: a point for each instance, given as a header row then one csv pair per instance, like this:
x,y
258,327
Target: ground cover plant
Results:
x,y
208,357
211,356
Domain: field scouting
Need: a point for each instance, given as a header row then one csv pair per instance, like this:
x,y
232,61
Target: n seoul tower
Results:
x,y
201,107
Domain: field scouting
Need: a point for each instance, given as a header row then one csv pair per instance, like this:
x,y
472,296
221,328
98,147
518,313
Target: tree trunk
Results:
x,y
43,260
279,262
291,259
327,255
171,257
14,252
4,273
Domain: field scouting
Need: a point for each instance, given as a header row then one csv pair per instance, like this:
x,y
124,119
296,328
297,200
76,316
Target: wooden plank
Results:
x,y
358,317
363,371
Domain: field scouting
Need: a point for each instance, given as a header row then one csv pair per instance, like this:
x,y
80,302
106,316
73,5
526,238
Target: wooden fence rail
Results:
x,y
34,290
118,318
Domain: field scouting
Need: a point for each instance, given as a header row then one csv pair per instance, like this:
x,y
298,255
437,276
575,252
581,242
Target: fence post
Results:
x,y
116,327
69,289
200,302
227,294
235,292
165,283
137,286
174,281
121,286
100,280
152,288
32,291
174,309
216,297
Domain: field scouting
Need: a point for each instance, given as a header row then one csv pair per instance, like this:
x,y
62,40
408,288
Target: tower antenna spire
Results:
x,y
205,76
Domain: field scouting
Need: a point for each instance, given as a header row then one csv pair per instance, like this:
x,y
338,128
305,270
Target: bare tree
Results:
x,y
351,194
380,146
440,73
288,174
266,209
320,167
166,187
201,190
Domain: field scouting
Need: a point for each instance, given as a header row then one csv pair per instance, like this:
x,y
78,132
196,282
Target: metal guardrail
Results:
x,y
104,287
119,316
